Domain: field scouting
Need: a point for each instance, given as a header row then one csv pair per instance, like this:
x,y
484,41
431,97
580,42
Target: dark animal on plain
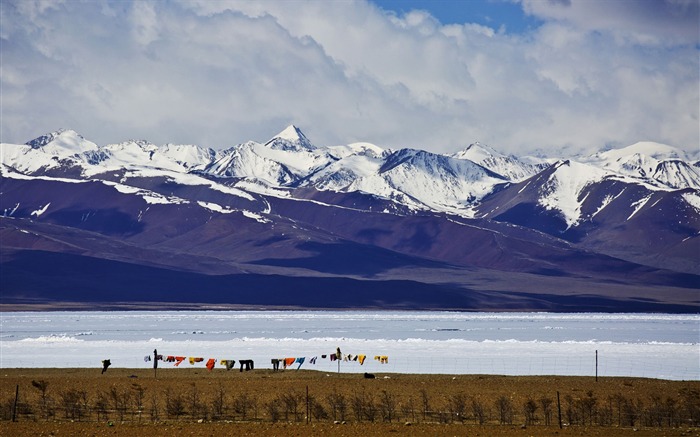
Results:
x,y
369,375
105,365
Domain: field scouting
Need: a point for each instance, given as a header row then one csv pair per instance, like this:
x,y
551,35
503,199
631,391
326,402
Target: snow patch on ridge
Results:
x,y
564,188
255,216
150,197
606,201
693,200
214,207
41,210
638,205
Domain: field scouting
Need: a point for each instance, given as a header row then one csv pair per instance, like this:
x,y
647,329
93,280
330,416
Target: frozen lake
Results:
x,y
645,345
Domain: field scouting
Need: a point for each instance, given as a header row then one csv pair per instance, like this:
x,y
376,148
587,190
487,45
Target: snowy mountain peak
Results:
x,y
643,148
367,149
63,143
478,152
510,167
291,138
291,133
647,160
678,174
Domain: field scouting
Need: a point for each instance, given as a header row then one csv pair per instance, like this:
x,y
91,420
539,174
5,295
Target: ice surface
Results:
x,y
415,342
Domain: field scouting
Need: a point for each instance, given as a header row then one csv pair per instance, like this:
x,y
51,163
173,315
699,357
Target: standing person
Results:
x,y
155,363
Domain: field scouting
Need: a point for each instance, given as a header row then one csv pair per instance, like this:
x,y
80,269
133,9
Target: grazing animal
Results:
x,y
369,375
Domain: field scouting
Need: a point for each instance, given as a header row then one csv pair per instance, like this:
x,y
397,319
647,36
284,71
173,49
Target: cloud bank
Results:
x,y
220,73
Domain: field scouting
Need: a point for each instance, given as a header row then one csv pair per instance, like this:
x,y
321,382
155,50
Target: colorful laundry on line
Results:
x,y
211,363
228,364
286,362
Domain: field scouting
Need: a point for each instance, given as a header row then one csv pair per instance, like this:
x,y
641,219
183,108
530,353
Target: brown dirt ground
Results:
x,y
266,386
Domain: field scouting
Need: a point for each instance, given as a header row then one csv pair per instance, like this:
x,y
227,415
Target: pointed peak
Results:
x,y
291,138
291,133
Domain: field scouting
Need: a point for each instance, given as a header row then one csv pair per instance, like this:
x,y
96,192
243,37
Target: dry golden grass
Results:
x,y
261,402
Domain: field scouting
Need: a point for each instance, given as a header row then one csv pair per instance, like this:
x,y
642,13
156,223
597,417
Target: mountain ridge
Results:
x,y
608,224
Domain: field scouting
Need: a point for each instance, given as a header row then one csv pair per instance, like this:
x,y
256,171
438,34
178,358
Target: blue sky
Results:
x,y
493,13
557,76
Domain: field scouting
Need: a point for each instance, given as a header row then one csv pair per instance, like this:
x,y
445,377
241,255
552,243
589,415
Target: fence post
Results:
x,y
559,408
596,365
14,405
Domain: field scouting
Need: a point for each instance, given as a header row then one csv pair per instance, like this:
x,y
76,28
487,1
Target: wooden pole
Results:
x,y
596,365
559,409
338,355
14,406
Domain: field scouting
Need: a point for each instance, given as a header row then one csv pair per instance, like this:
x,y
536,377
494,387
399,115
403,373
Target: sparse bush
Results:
x,y
605,413
457,406
690,406
218,404
197,409
338,405
154,410
273,409
6,408
504,408
479,411
408,410
631,411
101,406
242,405
387,406
546,406
46,406
120,401
316,409
291,401
74,403
138,398
364,407
425,402
530,410
174,404
588,407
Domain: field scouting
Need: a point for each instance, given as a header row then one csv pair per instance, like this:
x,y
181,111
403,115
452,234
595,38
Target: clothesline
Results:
x,y
228,364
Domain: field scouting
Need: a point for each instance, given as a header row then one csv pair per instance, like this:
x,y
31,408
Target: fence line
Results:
x,y
541,365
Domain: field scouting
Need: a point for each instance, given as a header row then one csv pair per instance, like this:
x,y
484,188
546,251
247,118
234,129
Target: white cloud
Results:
x,y
144,20
219,73
662,22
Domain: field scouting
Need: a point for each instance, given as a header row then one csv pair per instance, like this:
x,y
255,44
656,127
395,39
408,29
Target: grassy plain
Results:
x,y
188,401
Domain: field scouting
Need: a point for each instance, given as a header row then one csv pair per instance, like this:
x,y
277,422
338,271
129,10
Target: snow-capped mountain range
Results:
x,y
639,205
